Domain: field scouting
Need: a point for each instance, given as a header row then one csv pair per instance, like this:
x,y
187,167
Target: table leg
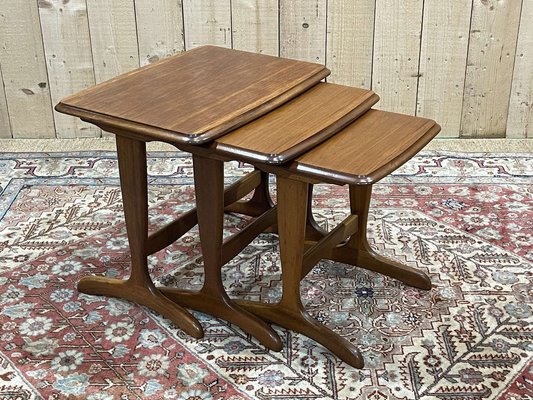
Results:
x,y
313,231
290,312
139,287
212,298
358,252
258,204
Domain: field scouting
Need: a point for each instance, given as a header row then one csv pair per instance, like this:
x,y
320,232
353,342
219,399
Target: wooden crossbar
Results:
x,y
171,232
322,249
237,242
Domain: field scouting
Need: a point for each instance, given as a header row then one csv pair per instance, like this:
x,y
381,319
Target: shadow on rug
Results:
x,y
466,219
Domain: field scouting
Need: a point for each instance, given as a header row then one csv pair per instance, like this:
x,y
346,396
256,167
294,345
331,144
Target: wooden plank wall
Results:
x,y
465,63
24,71
520,119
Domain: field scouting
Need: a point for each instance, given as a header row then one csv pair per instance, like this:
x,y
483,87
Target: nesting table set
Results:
x,y
276,114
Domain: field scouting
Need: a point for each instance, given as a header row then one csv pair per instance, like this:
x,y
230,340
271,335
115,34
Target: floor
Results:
x,y
52,145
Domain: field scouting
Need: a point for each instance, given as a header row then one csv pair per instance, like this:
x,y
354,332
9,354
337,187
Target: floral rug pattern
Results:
x,y
466,219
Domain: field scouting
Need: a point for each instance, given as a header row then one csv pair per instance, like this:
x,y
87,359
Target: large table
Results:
x,y
221,105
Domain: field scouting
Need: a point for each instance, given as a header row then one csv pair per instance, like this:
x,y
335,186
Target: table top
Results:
x,y
367,150
298,125
195,96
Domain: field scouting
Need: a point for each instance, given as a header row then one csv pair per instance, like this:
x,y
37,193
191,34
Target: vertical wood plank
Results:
x,y
27,92
159,29
207,22
396,54
255,26
303,30
5,126
489,67
350,37
520,120
68,55
113,37
443,62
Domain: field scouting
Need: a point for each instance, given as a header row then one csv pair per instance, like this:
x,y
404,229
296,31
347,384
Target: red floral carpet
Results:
x,y
465,219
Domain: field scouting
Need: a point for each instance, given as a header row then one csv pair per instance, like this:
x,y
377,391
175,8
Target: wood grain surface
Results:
x,y
442,63
520,120
370,148
255,28
160,29
195,96
302,30
360,41
113,32
25,79
350,41
207,22
489,67
298,125
69,62
139,287
397,33
5,126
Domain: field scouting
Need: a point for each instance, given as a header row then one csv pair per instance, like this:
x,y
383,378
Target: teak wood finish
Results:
x,y
289,312
298,125
352,146
211,199
370,148
347,243
139,287
196,96
212,298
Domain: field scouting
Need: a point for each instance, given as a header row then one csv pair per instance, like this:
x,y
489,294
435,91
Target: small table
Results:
x,y
222,105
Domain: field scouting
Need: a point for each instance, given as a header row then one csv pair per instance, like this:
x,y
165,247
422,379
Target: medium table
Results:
x,y
221,105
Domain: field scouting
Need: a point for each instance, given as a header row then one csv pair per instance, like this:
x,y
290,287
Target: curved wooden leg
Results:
x,y
146,295
139,288
300,321
218,304
369,259
258,204
289,312
358,252
313,231
212,298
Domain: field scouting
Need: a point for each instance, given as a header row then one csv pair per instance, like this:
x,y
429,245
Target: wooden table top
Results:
x,y
298,125
370,148
194,97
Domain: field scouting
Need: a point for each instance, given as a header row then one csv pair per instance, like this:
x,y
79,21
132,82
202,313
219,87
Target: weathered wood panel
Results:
x,y
350,39
520,120
113,37
5,126
489,69
255,26
159,29
207,22
68,55
443,63
24,70
303,30
396,53
472,82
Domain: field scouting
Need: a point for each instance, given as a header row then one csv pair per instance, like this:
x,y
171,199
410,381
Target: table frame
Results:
x,y
302,245
210,199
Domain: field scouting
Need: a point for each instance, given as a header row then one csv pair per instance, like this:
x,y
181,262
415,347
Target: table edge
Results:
x,y
342,178
105,122
303,146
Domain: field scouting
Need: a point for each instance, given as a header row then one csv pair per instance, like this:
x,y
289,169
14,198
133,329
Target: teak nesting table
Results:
x,y
221,105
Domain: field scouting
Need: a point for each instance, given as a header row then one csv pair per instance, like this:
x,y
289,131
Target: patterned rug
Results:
x,y
466,219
